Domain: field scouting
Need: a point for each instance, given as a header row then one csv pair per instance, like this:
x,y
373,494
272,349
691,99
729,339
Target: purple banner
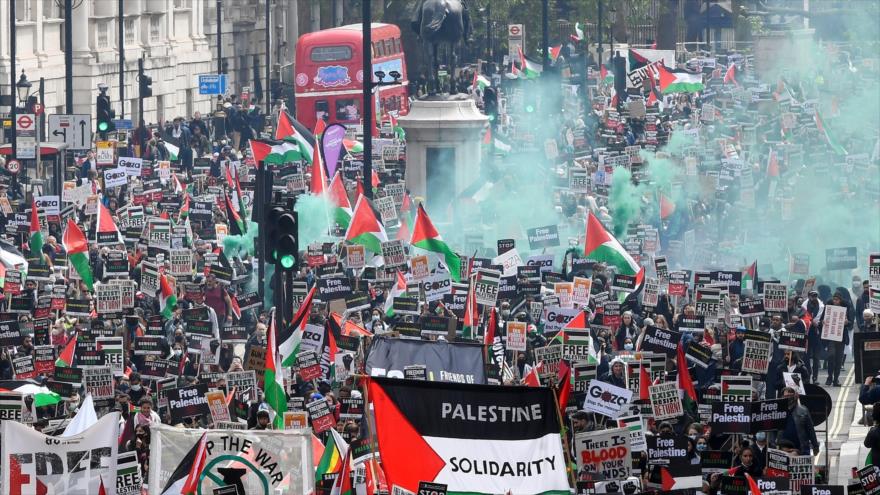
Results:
x,y
331,143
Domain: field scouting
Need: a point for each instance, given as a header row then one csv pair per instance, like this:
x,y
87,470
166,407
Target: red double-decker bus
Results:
x,y
329,74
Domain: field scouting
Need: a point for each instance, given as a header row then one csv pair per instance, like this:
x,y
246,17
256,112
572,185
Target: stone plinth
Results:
x,y
443,135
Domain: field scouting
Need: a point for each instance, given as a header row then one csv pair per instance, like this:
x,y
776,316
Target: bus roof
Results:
x,y
351,33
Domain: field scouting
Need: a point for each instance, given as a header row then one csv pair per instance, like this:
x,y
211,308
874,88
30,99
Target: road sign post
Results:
x,y
212,84
75,130
26,136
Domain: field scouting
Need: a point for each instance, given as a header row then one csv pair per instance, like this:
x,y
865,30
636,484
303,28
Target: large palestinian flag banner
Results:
x,y
476,439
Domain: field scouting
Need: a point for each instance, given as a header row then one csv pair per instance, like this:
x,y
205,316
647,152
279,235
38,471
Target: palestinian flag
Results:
x,y
399,132
563,377
65,360
476,439
186,477
290,339
167,297
106,232
352,146
173,151
277,154
273,383
77,247
835,145
236,224
685,383
242,209
554,52
334,453
602,246
530,70
749,277
471,313
235,308
35,242
398,289
675,81
533,378
605,76
366,228
319,175
480,81
292,131
578,35
184,210
730,75
426,237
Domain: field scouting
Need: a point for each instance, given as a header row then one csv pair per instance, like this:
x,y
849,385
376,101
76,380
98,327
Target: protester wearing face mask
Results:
x,y
377,326
627,330
136,389
760,449
799,427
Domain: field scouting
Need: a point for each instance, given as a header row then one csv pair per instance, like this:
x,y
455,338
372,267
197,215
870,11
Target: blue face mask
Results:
x,y
628,347
701,447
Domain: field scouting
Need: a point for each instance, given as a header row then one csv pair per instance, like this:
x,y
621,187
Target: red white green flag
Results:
x,y
290,338
273,384
106,233
426,237
835,145
674,81
35,244
77,247
366,228
167,297
602,246
339,197
65,360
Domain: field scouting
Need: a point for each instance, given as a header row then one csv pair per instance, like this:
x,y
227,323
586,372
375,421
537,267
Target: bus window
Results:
x,y
330,53
397,48
322,109
348,109
389,47
378,50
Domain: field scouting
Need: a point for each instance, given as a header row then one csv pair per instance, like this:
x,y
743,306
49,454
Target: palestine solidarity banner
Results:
x,y
37,463
476,439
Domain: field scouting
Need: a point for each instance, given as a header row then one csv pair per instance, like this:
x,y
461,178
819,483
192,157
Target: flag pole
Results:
x,y
563,435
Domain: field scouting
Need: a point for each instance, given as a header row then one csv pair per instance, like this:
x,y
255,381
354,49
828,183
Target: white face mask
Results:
x,y
375,317
136,387
628,347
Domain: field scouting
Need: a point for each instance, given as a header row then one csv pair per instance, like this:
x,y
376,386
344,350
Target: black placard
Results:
x,y
187,402
10,333
434,325
505,245
405,305
333,288
233,334
661,340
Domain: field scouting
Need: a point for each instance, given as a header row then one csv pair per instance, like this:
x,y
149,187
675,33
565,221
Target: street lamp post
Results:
x,y
12,105
366,28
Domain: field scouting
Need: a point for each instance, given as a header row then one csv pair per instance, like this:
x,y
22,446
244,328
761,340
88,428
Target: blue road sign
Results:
x,y
212,84
123,124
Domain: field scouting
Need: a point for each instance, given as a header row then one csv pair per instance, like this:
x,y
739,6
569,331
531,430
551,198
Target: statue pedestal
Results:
x,y
443,137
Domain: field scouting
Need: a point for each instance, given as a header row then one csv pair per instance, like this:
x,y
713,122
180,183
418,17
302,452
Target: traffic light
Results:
x,y
288,244
105,113
282,239
145,84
